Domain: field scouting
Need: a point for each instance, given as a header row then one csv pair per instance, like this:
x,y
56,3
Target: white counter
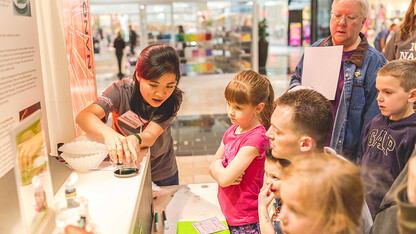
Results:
x,y
114,202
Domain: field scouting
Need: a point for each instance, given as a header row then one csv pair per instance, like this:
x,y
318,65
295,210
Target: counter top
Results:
x,y
111,200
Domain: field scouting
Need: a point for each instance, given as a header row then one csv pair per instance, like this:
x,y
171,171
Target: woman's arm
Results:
x,y
148,138
90,122
228,176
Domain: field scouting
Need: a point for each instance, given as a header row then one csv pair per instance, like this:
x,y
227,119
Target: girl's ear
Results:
x,y
412,97
259,108
306,143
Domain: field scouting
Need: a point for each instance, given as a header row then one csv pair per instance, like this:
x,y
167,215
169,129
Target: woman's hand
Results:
x,y
117,147
134,146
29,149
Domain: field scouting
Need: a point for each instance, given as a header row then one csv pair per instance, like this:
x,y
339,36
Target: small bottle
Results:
x,y
40,195
71,192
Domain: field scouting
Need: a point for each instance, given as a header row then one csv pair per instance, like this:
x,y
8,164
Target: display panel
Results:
x,y
80,53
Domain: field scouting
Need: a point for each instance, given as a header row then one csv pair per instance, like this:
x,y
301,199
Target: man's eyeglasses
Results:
x,y
348,19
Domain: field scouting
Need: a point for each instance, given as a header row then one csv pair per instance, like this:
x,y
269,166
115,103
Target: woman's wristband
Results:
x,y
138,137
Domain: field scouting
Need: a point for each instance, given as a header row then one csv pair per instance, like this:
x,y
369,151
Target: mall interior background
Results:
x,y
218,41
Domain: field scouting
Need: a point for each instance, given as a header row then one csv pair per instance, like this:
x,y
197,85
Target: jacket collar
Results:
x,y
358,56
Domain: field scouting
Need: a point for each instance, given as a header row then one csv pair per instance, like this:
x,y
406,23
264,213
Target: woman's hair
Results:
x,y
155,61
363,6
408,24
249,87
332,190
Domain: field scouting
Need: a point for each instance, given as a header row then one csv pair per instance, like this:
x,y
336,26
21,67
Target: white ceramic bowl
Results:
x,y
83,155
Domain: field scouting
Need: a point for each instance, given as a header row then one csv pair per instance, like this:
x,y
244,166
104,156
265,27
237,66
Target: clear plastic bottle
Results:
x,y
71,192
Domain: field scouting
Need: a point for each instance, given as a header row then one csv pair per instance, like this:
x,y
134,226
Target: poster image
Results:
x,y
32,171
79,48
22,8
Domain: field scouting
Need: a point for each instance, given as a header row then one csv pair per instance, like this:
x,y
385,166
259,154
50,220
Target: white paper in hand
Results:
x,y
321,67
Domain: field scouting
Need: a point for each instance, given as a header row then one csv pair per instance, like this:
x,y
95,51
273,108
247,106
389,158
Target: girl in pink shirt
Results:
x,y
238,165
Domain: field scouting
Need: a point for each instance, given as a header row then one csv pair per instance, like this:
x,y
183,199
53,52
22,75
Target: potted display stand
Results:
x,y
263,44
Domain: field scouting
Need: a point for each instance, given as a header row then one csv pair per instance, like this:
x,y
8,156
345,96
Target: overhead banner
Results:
x,y
21,88
77,26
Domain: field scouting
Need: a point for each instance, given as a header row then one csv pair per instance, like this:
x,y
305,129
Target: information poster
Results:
x,y
21,88
80,54
33,178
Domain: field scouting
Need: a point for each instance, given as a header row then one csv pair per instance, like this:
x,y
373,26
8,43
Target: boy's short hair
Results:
x,y
283,162
403,70
312,114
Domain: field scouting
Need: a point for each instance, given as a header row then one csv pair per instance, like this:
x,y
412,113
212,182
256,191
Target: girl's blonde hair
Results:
x,y
330,188
249,87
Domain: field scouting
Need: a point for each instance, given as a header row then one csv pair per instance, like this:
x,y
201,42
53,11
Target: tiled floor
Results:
x,y
201,121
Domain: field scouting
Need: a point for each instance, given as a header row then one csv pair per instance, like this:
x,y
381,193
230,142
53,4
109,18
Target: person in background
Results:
x,y
355,101
273,169
320,194
401,44
238,164
389,138
300,125
150,100
381,38
406,199
119,45
398,208
133,39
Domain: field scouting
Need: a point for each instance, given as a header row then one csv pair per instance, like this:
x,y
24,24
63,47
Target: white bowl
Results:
x,y
83,155
84,163
83,147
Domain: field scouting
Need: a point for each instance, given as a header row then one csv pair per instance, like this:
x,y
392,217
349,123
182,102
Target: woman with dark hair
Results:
x,y
142,107
402,43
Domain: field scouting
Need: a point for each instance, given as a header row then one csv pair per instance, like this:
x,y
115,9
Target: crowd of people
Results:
x,y
328,166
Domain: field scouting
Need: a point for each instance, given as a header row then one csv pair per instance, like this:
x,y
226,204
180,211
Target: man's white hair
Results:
x,y
363,6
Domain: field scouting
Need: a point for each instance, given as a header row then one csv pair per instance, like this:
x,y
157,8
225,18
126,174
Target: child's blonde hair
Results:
x,y
403,70
249,87
330,188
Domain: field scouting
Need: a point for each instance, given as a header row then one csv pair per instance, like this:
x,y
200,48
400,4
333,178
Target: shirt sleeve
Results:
x,y
390,48
259,140
109,100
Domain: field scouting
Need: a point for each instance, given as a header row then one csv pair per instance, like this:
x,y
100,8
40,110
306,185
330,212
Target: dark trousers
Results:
x,y
132,49
119,57
173,180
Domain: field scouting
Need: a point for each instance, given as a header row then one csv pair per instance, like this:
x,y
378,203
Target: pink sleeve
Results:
x,y
259,140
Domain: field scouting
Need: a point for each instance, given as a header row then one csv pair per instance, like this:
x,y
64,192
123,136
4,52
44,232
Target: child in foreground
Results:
x,y
389,138
238,165
273,168
320,194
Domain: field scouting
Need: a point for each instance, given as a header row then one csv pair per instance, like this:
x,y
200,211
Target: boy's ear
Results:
x,y
412,97
306,144
259,108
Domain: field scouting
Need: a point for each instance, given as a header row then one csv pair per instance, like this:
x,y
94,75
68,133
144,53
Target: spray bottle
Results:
x,y
71,192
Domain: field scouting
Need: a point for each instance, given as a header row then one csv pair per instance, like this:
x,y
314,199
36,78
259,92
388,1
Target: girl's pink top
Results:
x,y
239,202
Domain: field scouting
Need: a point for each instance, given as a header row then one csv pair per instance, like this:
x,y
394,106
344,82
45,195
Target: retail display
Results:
x,y
213,37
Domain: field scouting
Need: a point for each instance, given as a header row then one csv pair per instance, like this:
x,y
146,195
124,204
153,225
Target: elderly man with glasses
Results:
x,y
355,101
